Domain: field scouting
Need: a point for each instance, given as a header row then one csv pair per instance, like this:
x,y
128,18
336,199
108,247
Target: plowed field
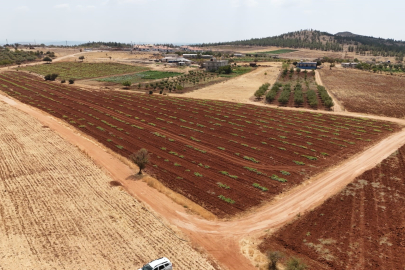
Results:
x,y
226,157
364,92
58,210
363,227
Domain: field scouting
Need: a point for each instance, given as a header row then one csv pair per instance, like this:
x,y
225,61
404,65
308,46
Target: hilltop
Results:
x,y
317,40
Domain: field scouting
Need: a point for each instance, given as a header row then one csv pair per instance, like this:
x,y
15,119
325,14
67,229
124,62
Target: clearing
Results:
x,y
364,92
239,89
79,70
226,157
58,210
362,227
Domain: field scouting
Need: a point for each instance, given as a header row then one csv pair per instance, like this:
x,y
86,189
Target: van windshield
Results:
x,y
147,267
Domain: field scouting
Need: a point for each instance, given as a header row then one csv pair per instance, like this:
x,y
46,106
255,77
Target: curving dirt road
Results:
x,y
221,238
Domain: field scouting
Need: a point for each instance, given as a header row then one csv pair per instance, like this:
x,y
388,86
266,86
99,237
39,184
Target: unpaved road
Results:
x,y
238,89
221,238
337,107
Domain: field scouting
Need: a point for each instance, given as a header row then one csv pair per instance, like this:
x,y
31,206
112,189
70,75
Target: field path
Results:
x,y
238,89
337,106
221,238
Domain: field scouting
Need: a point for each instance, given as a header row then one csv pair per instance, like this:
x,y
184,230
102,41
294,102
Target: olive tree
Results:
x,y
140,158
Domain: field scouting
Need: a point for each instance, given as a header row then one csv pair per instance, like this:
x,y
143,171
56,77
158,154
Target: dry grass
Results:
x,y
365,92
59,211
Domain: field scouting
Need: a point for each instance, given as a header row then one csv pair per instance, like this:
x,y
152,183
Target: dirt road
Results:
x,y
221,238
239,89
337,106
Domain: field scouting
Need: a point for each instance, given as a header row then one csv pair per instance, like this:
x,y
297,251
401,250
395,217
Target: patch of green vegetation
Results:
x,y
78,71
237,71
140,77
279,51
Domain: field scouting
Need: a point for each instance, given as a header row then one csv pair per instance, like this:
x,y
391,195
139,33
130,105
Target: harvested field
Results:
x,y
360,228
79,70
226,157
58,210
364,92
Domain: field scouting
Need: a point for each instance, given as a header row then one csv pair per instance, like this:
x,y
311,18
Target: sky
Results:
x,y
193,21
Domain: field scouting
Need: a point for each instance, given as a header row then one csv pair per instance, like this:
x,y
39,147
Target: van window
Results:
x,y
162,267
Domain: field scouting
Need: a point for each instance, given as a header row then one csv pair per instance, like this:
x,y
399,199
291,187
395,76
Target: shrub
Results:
x,y
51,77
225,70
273,258
295,264
127,84
62,81
47,59
71,81
151,92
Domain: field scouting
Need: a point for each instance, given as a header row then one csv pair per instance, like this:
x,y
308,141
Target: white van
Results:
x,y
159,264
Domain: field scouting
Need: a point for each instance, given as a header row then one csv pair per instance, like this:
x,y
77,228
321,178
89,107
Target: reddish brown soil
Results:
x,y
363,227
132,121
365,92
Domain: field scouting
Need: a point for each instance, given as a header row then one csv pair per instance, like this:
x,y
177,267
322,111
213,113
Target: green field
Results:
x,y
279,51
78,70
237,72
140,77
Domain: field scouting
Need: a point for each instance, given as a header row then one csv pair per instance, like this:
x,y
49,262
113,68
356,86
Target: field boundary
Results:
x,y
337,105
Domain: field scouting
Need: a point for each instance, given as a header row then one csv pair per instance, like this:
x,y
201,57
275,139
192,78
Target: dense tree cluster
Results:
x,y
107,44
314,40
317,40
9,57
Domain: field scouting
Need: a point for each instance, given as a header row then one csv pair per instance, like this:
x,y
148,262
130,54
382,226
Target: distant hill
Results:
x,y
317,40
346,34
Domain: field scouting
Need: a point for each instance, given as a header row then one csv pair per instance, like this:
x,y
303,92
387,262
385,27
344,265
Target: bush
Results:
x,y
271,95
62,81
47,59
295,264
51,77
312,99
151,92
225,70
262,90
127,84
71,81
285,95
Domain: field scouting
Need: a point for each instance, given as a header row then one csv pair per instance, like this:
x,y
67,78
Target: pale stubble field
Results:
x,y
59,211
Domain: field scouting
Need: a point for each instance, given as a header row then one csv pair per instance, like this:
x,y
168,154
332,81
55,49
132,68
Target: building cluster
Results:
x,y
166,49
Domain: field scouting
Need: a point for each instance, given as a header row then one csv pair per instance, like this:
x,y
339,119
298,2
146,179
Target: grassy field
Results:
x,y
78,70
141,77
280,51
237,72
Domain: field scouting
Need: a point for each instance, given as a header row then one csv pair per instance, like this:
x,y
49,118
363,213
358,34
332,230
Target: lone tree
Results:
x,y
47,59
127,84
81,58
140,158
274,257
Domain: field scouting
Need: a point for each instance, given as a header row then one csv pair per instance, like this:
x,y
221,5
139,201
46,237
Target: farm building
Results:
x,y
177,60
238,55
207,56
349,65
190,55
306,65
213,64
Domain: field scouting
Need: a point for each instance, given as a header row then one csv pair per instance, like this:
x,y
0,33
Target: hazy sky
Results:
x,y
193,21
